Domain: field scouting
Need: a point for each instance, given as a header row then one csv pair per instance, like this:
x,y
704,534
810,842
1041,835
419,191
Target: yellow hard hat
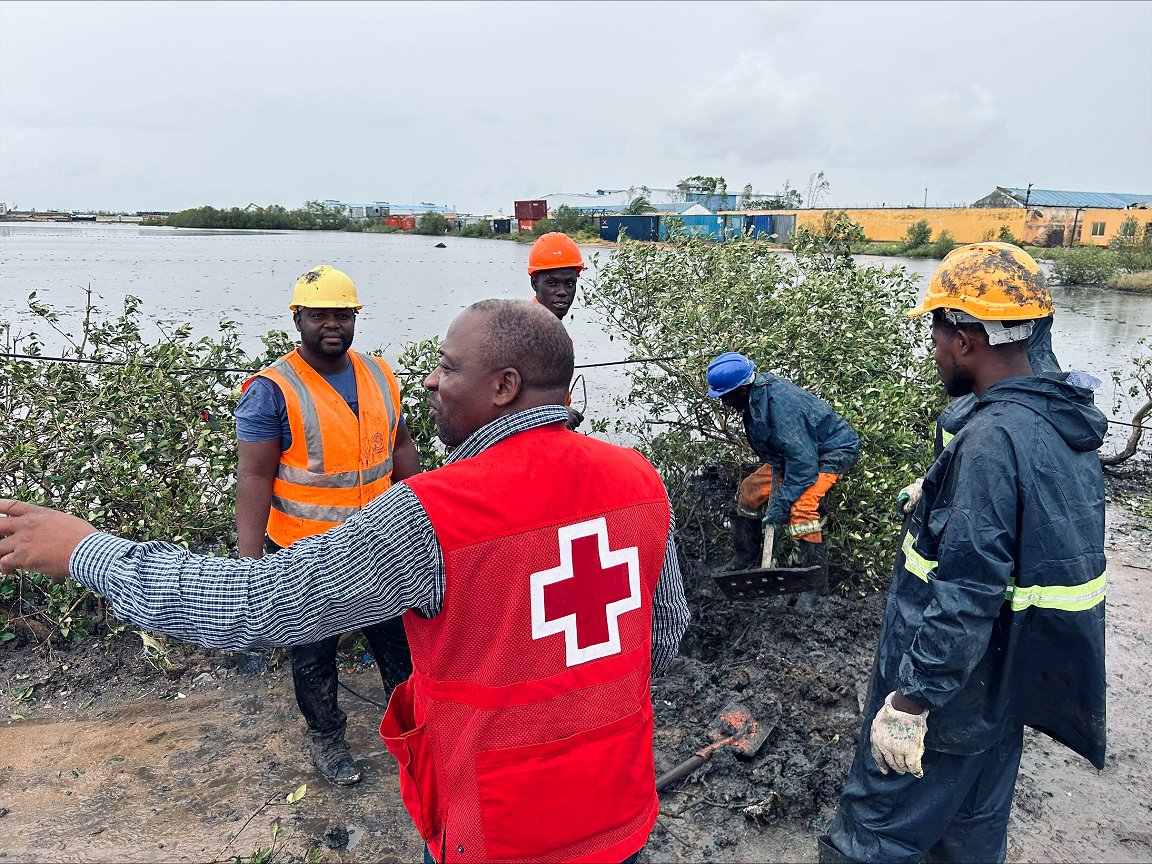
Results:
x,y
989,282
325,287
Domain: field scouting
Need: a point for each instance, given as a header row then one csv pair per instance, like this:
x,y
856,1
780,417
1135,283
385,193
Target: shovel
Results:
x,y
738,729
766,580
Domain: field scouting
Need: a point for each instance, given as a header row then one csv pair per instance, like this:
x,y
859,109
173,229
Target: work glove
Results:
x,y
909,496
575,418
898,739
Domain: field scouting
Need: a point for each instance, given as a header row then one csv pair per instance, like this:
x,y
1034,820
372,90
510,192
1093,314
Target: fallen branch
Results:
x,y
1133,439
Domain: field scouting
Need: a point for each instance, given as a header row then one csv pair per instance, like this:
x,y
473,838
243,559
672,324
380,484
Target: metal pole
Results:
x,y
925,197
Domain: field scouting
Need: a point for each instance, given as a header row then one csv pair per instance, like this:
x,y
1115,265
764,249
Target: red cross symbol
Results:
x,y
585,596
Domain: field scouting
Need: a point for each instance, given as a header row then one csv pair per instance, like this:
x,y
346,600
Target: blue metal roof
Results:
x,y
1059,198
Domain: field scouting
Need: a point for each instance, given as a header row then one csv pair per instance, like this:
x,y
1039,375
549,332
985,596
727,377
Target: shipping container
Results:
x,y
501,226
396,222
525,225
783,226
712,226
761,225
535,209
636,227
408,223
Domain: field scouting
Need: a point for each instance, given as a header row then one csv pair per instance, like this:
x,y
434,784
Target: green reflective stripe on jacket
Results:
x,y
946,436
1069,598
914,562
802,528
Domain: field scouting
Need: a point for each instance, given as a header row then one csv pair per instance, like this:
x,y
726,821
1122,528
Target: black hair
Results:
x,y
529,338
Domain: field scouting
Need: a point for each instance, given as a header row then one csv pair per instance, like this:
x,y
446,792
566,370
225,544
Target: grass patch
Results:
x,y
1141,281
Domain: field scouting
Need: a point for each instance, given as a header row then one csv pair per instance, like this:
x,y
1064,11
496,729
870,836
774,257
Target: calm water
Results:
x,y
409,289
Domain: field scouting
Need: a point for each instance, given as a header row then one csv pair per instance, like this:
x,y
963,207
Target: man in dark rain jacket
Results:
x,y
805,446
995,616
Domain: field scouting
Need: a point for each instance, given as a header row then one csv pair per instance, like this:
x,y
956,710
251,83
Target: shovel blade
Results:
x,y
742,731
767,581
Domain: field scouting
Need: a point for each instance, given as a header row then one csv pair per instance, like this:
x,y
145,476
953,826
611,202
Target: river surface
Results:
x,y
410,290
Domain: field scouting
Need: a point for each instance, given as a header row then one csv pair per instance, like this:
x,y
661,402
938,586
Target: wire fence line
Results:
x,y
399,374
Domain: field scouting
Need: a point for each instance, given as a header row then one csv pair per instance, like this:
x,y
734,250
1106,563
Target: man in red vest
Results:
x,y
540,590
321,434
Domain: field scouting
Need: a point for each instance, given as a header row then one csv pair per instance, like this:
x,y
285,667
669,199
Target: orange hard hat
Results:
x,y
552,251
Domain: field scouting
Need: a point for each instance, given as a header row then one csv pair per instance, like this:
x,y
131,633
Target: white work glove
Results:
x,y
898,739
909,496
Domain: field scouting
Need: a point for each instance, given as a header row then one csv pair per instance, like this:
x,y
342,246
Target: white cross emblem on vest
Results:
x,y
585,596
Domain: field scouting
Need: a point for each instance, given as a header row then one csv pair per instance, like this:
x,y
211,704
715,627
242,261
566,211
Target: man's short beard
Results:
x,y
960,384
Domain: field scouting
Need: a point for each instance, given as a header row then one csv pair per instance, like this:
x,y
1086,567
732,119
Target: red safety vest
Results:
x,y
336,463
525,731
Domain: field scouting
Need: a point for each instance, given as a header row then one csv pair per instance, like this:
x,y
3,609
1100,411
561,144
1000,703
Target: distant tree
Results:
x,y
570,220
431,224
638,205
1133,246
786,199
918,234
712,191
545,226
818,187
746,198
700,185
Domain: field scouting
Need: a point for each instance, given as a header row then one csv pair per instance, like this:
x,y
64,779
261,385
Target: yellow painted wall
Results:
x,y
1112,220
966,225
1047,226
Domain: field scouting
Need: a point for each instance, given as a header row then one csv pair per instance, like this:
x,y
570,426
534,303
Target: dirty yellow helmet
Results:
x,y
325,287
988,282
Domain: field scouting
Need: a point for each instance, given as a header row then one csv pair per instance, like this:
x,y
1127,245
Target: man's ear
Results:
x,y
508,386
296,319
964,340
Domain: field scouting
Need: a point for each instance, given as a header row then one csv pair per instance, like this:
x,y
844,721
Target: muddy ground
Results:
x,y
106,756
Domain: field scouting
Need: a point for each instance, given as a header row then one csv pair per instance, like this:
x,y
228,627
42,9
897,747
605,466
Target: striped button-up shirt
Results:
x,y
382,562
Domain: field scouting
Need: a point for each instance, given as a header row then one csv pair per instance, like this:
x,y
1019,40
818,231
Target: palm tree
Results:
x,y
639,204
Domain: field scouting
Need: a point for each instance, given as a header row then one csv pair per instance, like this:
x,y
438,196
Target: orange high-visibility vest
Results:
x,y
336,463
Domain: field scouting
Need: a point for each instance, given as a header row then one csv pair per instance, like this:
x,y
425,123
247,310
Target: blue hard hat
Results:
x,y
729,371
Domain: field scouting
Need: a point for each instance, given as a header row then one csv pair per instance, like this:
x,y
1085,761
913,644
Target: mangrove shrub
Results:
x,y
818,320
137,437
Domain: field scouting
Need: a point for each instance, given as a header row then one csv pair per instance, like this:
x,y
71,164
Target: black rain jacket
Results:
x,y
798,433
995,616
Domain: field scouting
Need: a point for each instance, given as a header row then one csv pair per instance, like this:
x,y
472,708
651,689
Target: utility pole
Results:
x,y
925,197
1027,196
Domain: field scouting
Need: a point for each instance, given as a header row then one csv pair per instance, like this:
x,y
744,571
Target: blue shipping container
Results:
x,y
501,226
635,227
761,225
704,226
692,226
736,225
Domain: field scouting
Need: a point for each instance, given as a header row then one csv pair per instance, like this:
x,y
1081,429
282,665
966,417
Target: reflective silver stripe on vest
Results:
x,y
312,440
337,480
314,443
315,512
381,380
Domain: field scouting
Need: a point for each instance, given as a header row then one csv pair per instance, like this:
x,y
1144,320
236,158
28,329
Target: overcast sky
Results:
x,y
162,106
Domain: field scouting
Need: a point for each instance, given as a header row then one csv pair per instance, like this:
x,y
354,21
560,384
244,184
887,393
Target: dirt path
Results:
x,y
115,761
